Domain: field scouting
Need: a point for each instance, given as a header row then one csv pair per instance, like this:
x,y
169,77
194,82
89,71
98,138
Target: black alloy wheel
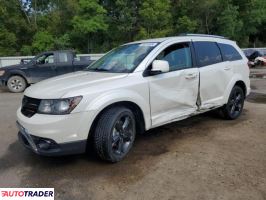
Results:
x,y
235,104
115,133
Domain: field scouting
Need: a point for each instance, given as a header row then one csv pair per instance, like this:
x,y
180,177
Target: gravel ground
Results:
x,y
203,157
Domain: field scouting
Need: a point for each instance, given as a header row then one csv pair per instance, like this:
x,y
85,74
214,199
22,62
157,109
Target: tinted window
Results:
x,y
229,52
62,57
207,53
178,56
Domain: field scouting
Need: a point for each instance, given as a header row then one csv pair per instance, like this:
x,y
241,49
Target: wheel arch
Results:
x,y
242,85
137,111
237,80
18,73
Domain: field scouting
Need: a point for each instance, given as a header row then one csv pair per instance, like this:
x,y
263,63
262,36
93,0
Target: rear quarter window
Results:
x,y
62,57
207,53
229,53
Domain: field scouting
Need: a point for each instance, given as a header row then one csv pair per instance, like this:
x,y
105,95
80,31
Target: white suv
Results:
x,y
133,88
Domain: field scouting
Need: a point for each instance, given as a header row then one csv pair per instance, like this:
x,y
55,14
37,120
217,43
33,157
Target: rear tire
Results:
x,y
235,104
114,133
16,84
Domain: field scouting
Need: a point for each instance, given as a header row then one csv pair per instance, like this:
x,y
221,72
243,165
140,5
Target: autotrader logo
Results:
x,y
26,193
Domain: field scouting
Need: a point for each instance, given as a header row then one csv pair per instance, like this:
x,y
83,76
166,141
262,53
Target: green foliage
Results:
x,y
26,50
62,42
253,14
14,28
90,17
90,20
42,41
228,23
7,43
31,26
186,25
123,21
155,18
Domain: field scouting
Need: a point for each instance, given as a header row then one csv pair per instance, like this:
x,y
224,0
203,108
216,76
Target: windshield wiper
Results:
x,y
99,70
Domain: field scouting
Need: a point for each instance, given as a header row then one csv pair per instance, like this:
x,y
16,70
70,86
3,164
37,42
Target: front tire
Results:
x,y
235,104
115,134
16,84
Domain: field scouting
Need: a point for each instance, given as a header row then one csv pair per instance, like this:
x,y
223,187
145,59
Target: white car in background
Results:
x,y
133,88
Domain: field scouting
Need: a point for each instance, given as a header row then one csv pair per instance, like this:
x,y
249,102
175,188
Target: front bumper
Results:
x,y
59,128
48,147
2,82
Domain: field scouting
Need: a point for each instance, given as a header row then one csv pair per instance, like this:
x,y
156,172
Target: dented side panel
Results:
x,y
214,80
173,95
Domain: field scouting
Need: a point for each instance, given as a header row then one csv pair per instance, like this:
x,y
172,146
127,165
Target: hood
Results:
x,y
59,86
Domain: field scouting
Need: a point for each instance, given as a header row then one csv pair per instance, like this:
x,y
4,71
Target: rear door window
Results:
x,y
229,52
62,57
207,53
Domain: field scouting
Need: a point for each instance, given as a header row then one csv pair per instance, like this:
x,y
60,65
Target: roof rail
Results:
x,y
202,35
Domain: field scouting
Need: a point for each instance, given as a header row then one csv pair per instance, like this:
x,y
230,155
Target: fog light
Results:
x,y
45,144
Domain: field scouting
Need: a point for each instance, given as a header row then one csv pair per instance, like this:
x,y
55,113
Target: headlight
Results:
x,y
58,106
2,72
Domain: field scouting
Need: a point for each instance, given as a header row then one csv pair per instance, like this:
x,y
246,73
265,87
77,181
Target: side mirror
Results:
x,y
159,66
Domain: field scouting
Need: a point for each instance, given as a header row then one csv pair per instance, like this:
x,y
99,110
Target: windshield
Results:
x,y
123,59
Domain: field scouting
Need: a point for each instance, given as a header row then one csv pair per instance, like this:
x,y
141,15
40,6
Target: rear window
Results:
x,y
207,53
62,57
229,52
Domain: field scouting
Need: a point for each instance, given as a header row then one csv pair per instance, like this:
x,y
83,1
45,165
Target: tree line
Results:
x,y
28,27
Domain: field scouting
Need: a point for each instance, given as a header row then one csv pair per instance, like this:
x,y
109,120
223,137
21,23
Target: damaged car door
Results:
x,y
173,94
215,73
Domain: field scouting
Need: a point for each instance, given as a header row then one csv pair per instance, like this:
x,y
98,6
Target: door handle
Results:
x,y
227,68
191,76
